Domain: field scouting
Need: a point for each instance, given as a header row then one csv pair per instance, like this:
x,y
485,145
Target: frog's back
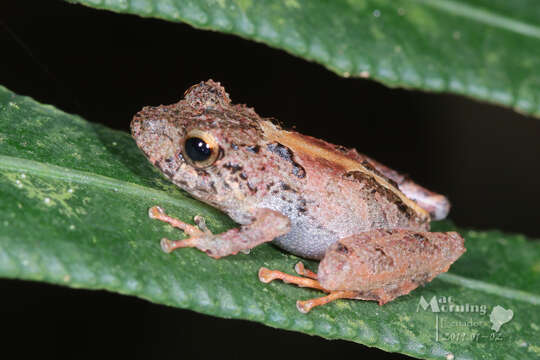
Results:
x,y
328,195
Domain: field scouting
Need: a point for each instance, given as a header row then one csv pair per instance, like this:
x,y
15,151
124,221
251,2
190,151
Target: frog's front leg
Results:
x,y
375,265
267,225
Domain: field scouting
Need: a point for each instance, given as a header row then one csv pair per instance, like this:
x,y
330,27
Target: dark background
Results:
x,y
106,66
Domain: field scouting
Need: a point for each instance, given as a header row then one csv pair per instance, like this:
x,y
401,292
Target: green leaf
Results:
x,y
486,49
74,198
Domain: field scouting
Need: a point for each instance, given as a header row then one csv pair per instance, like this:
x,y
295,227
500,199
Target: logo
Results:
x,y
464,322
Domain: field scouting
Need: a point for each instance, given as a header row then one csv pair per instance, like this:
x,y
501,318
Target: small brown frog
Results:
x,y
368,224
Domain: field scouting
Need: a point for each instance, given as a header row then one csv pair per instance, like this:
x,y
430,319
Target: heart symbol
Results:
x,y
500,316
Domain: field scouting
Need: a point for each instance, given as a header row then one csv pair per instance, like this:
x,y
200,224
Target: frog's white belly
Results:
x,y
307,238
306,241
320,224
316,224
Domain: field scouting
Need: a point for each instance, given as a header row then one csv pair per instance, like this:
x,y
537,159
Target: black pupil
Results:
x,y
197,149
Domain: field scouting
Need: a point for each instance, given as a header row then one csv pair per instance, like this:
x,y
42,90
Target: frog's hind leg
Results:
x,y
267,275
377,265
301,270
310,281
307,305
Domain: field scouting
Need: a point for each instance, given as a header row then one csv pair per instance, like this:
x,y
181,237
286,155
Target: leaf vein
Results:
x,y
491,288
484,16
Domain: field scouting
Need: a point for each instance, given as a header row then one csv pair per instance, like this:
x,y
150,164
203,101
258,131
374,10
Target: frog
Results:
x,y
367,224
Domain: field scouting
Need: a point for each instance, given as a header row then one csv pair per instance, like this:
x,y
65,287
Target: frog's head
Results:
x,y
204,144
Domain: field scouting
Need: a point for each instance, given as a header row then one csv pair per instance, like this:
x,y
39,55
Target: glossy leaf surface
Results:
x,y
488,50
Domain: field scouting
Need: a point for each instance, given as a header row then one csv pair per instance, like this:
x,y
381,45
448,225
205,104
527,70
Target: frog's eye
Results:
x,y
200,148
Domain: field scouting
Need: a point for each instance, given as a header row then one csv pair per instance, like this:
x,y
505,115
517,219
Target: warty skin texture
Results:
x,y
325,200
368,223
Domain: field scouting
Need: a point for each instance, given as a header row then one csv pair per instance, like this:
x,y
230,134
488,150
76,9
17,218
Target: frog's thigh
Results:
x,y
384,264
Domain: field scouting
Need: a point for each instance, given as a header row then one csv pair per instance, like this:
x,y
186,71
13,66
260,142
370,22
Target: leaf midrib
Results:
x,y
484,16
490,288
55,172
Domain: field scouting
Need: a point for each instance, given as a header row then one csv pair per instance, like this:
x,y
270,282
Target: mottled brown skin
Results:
x,y
385,257
301,192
